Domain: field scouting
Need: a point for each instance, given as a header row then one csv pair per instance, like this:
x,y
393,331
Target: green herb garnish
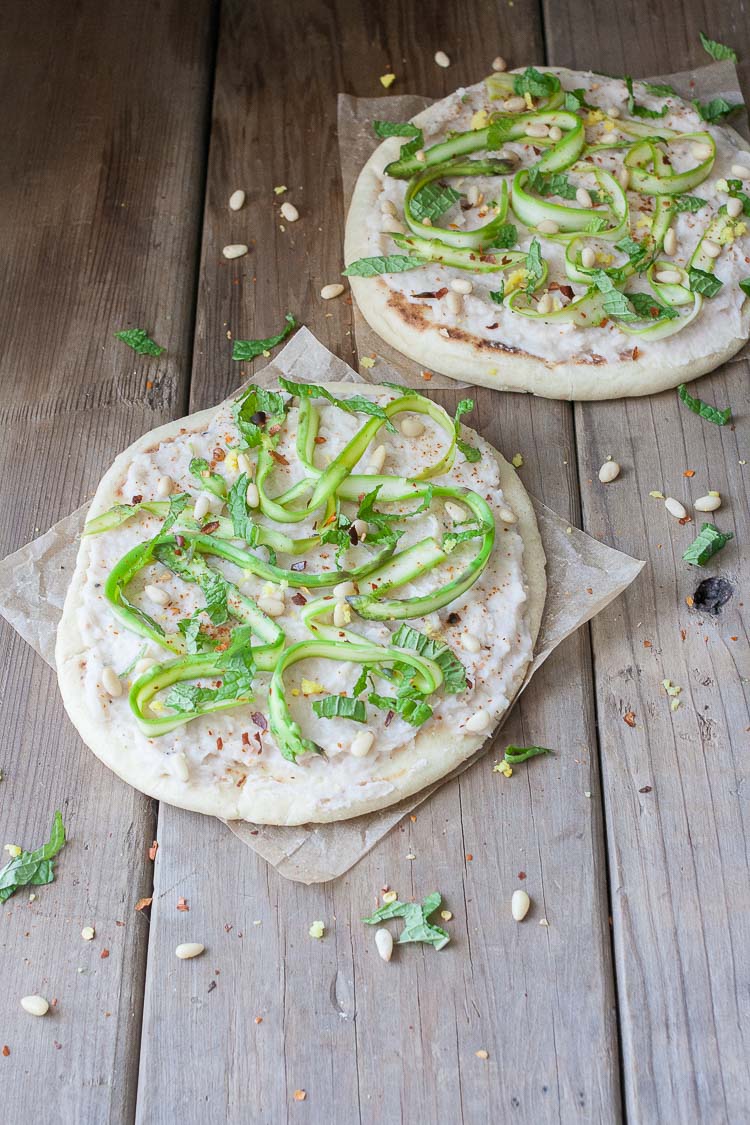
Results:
x,y
707,284
388,263
648,308
535,83
354,404
534,267
250,349
212,482
636,110
469,452
691,203
454,673
715,110
716,50
340,707
514,755
432,201
416,925
33,869
139,341
709,541
498,295
698,406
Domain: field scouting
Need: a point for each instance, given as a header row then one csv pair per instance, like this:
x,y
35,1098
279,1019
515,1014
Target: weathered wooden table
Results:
x,y
123,130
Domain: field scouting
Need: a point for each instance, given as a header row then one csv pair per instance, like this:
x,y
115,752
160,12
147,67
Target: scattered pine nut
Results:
x,y
252,495
514,105
111,683
87,933
384,943
442,59
609,471
478,722
454,303
461,285
712,249
202,505
328,292
505,514
675,508
164,487
537,129
707,503
555,133
390,225
35,1005
237,200
519,905
290,212
588,258
181,767
482,1054
734,207
412,427
548,226
189,949
272,607
583,197
545,304
362,744
741,170
701,151
499,63
236,250
668,277
157,594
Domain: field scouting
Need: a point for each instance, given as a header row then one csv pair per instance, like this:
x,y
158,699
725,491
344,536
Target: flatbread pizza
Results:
x,y
301,606
558,232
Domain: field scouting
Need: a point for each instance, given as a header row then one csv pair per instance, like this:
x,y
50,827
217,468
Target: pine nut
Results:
x,y
252,495
499,63
244,464
675,508
88,933
388,207
181,767
391,225
202,506
272,607
712,249
236,250
237,200
613,111
189,949
344,590
588,258
454,303
461,285
377,459
362,744
668,277
515,105
609,471
384,943
342,615
701,151
707,503
111,683
290,212
328,292
455,511
143,666
442,59
157,595
548,226
412,427
741,170
545,304
670,242
473,195
361,528
478,722
734,207
537,129
555,133
583,198
420,155
623,177
470,643
505,514
35,1005
164,487
519,905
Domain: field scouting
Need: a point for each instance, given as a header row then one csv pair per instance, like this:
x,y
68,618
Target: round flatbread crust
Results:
x,y
406,327
414,768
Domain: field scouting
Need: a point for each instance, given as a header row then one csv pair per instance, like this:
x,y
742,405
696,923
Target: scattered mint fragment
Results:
x,y
250,349
416,924
698,406
139,341
33,868
709,541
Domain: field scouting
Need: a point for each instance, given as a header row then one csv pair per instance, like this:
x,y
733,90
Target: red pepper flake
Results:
x,y
566,290
143,903
245,739
6,1050
689,473
685,519
635,353
299,599
219,743
279,458
320,440
647,644
589,589
219,454
521,874
241,782
300,1095
689,600
182,905
469,856
733,638
260,720
259,740
426,375
135,500
210,528
645,789
228,927
389,718
683,634
629,718
104,954
153,850
149,384
259,1019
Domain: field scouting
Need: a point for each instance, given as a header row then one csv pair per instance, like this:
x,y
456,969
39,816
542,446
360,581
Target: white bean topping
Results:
x,y
328,292
111,683
384,943
237,200
675,508
412,427
670,242
519,905
236,250
478,722
290,212
588,257
157,594
189,949
461,285
252,495
35,1005
609,471
707,503
548,226
442,59
362,744
164,487
668,277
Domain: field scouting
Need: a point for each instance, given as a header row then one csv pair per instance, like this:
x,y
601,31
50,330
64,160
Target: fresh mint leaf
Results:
x,y
534,267
255,411
389,263
716,50
212,482
250,349
237,667
636,110
416,924
498,295
661,89
555,183
188,697
615,304
433,200
33,868
734,189
195,640
177,505
340,707
575,100
705,546
745,286
242,523
715,110
514,755
469,452
355,404
535,83
396,129
707,284
690,203
410,706
454,673
635,251
139,341
504,238
215,591
648,308
704,409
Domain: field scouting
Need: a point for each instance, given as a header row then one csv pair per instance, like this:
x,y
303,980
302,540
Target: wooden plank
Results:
x,y
99,226
368,1041
677,825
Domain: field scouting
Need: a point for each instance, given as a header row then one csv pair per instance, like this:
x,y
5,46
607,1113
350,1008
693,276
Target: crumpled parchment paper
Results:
x,y
357,142
34,581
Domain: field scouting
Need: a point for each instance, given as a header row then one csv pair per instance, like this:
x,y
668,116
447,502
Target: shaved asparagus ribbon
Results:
x,y
648,149
187,545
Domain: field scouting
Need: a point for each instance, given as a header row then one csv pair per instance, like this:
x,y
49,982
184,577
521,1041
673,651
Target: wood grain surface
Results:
x,y
124,130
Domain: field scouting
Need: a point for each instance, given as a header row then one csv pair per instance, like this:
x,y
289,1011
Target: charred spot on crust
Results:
x,y
712,594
